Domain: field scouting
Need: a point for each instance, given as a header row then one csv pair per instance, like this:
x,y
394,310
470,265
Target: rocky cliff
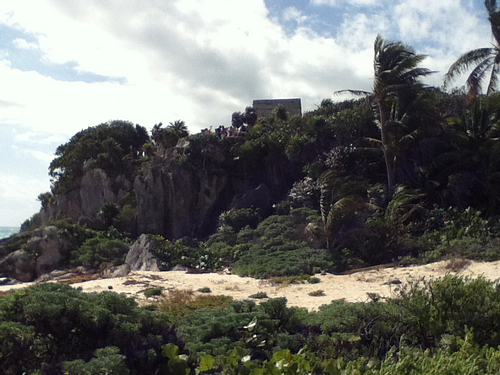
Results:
x,y
83,204
179,193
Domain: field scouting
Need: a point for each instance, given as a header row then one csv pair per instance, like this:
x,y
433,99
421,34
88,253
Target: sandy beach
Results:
x,y
353,287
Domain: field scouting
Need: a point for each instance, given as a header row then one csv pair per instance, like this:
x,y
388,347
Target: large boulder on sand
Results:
x,y
140,256
19,265
38,252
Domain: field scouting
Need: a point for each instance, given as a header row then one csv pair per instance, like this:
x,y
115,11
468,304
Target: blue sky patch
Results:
x,y
21,49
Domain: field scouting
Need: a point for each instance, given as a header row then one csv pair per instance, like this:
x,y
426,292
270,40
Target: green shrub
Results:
x,y
238,219
45,325
205,289
278,258
451,305
313,280
174,253
180,302
275,251
97,251
153,292
285,281
80,233
317,293
258,295
124,219
245,325
106,361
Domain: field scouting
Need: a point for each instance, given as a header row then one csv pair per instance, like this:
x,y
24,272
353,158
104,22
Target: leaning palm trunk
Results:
x,y
384,137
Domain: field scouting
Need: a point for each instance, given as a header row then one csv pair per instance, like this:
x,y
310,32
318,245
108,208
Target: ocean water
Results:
x,y
7,231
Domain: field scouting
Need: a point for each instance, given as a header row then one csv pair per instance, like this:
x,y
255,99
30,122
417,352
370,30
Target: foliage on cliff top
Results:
x,y
106,146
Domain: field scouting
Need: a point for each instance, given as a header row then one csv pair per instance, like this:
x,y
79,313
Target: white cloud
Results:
x,y
19,198
38,138
201,60
175,56
446,22
39,155
339,3
293,14
24,44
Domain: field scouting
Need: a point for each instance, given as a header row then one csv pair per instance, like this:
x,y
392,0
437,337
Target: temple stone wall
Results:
x,y
264,108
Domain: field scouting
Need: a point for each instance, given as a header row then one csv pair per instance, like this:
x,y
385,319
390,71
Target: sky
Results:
x,y
66,65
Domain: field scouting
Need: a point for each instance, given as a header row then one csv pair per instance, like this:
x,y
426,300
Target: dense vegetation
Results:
x,y
442,327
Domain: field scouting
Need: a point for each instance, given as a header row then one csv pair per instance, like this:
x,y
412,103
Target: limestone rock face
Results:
x,y
140,256
19,265
180,193
84,203
95,190
176,200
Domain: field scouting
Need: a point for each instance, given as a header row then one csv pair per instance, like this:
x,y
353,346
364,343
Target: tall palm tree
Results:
x,y
396,83
486,61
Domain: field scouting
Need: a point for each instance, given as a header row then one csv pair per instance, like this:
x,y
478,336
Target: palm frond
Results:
x,y
339,210
374,140
494,19
492,87
354,92
477,77
466,61
416,73
491,6
403,204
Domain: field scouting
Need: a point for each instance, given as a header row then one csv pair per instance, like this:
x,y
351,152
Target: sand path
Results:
x,y
353,287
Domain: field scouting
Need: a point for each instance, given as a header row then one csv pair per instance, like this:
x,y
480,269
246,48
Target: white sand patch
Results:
x,y
352,288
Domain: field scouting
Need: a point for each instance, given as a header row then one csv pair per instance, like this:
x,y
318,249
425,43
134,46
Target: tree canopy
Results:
x,y
104,146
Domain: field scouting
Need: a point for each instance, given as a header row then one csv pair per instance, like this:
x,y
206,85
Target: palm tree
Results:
x,y
343,207
486,61
396,84
179,128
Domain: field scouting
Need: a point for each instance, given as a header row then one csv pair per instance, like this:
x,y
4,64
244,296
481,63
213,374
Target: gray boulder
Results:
x,y
19,265
140,256
119,271
53,248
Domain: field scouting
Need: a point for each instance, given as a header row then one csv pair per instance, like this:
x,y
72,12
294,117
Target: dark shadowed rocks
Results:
x,y
180,192
259,199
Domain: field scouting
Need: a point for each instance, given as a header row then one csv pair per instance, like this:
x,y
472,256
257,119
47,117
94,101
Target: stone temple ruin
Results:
x,y
264,108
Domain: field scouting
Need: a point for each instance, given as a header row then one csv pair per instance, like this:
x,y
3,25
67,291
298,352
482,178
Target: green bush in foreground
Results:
x,y
46,325
106,361
467,359
447,326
